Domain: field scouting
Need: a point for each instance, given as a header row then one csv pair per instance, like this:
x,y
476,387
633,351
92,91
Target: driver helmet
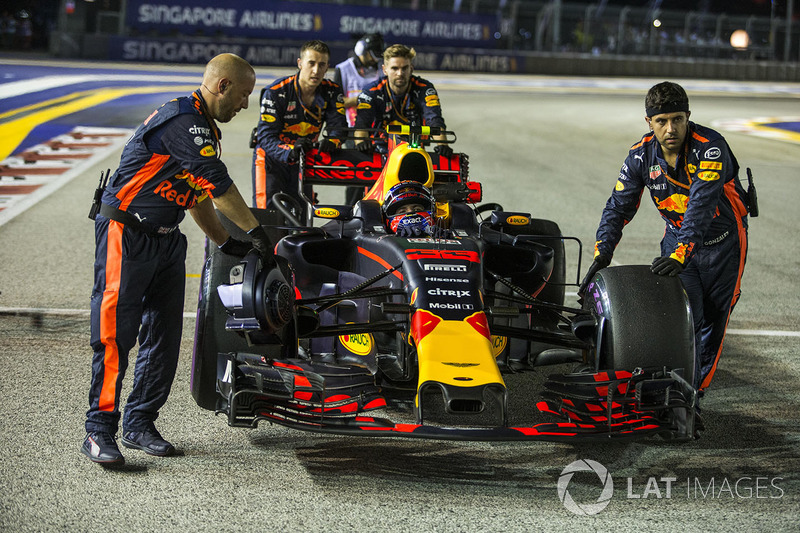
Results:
x,y
372,44
403,195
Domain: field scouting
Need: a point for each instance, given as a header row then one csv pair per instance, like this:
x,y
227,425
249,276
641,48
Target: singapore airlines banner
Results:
x,y
277,20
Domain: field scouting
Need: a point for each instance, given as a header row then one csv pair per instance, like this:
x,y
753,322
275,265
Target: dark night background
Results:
x,y
42,15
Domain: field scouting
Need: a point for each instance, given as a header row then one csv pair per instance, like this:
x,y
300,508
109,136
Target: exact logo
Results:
x,y
585,509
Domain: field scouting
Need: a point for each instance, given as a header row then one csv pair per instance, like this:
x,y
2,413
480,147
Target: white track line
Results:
x,y
85,312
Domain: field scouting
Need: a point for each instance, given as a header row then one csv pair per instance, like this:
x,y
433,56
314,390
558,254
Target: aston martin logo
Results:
x,y
461,365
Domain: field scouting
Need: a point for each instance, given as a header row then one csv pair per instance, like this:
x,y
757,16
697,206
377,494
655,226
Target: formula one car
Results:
x,y
361,331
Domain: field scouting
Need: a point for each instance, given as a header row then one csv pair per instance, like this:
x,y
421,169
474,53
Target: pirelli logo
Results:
x,y
445,268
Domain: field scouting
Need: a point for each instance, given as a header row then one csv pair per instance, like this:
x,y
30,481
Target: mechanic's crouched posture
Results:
x,y
693,178
293,111
171,164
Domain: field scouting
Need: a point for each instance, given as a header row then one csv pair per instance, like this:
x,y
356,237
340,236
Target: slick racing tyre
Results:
x,y
644,320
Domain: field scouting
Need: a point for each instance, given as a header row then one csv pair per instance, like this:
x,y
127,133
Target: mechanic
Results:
x,y
693,179
169,165
398,97
408,208
354,74
293,111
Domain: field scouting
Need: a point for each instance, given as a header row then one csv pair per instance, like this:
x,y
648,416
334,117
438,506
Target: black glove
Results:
x,y
666,266
365,147
303,144
409,231
263,246
443,150
600,262
327,146
235,247
438,232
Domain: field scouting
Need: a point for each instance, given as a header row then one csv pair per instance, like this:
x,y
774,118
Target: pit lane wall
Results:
x,y
269,34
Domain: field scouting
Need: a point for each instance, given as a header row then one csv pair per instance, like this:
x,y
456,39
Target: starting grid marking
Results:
x,y
49,311
30,176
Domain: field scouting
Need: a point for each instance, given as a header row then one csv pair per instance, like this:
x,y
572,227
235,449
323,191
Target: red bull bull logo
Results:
x,y
302,129
675,202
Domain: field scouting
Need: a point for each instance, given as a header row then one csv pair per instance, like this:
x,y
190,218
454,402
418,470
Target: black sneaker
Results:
x,y
101,447
149,441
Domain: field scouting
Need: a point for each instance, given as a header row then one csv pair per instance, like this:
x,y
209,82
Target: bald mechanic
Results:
x,y
171,164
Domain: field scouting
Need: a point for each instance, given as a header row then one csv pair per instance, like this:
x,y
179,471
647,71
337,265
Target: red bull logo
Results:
x,y
358,343
303,129
675,202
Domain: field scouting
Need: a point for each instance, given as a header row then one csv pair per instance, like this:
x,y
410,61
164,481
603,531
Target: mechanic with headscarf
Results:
x,y
293,112
693,178
170,165
398,98
353,74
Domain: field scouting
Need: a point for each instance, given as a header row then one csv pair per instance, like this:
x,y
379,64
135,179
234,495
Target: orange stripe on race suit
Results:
x,y
640,143
146,173
739,210
380,261
261,178
108,316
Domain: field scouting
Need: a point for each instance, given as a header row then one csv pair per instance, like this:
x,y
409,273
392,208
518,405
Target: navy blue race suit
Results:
x,y
704,206
284,119
379,107
169,165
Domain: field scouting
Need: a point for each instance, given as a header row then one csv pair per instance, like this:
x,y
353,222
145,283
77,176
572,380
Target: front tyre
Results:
x,y
644,320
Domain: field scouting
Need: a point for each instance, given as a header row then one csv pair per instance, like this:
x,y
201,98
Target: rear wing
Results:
x,y
350,167
341,167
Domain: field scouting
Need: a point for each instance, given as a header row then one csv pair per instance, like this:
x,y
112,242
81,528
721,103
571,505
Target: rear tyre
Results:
x,y
645,320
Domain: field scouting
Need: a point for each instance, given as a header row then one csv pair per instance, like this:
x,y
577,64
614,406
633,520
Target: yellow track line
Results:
x,y
14,131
